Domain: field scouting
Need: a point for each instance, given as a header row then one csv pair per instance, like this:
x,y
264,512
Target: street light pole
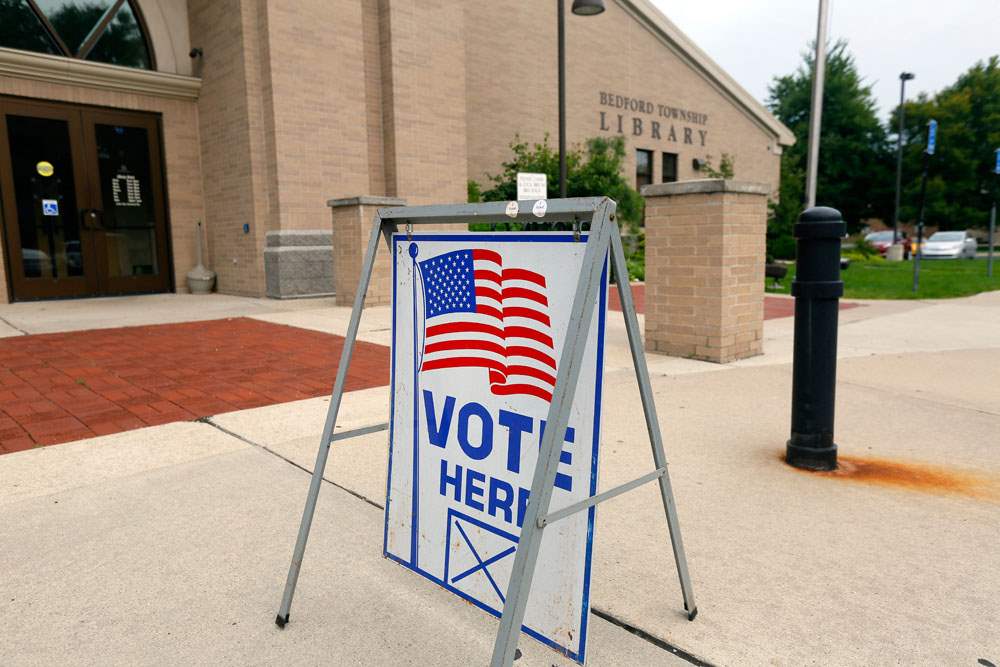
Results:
x,y
903,78
562,98
580,8
816,111
929,149
993,218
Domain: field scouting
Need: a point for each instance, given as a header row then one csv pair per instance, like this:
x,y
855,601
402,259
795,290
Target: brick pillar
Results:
x,y
352,225
705,257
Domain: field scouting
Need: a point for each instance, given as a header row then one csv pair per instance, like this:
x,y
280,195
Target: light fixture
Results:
x,y
587,7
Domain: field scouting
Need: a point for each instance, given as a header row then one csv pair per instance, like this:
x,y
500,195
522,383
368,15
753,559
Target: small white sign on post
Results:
x,y
479,324
531,186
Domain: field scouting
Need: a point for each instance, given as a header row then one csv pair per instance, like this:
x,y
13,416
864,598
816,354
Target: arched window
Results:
x,y
107,31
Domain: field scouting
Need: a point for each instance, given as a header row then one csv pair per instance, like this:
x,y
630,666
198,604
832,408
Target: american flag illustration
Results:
x,y
479,314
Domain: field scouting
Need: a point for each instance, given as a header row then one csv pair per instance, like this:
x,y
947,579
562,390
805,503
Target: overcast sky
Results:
x,y
754,40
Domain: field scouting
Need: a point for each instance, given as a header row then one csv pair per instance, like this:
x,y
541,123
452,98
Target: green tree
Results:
x,y
727,167
593,171
968,116
855,159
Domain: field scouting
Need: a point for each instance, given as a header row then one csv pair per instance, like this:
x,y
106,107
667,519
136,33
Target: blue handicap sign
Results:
x,y
931,137
50,207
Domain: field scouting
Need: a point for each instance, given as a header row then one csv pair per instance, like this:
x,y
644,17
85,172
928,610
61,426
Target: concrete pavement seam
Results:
x,y
631,629
652,639
208,420
14,326
920,398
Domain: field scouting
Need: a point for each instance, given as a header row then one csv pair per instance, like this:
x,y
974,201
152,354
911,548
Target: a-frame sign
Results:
x,y
500,333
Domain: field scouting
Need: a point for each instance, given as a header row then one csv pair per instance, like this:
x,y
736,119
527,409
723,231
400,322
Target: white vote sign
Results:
x,y
531,186
479,323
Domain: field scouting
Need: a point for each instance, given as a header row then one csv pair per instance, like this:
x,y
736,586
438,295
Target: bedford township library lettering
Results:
x,y
126,123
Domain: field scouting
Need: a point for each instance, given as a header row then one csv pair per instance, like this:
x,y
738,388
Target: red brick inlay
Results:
x,y
67,386
774,306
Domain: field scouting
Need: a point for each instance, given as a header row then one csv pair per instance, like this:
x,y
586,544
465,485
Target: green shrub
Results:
x,y
862,247
857,256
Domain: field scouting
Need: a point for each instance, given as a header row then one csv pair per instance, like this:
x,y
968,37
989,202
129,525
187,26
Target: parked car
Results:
x,y
949,245
882,241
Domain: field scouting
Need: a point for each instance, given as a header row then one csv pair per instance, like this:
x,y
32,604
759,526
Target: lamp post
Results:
x,y
903,78
580,8
816,108
928,152
993,218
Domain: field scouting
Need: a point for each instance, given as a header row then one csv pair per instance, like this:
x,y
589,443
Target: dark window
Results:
x,y
669,168
108,31
643,167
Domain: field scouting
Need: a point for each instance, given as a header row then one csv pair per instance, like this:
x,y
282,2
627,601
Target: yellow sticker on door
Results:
x,y
45,168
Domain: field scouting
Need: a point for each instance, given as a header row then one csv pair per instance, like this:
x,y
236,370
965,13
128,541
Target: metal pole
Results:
x,y
562,97
899,154
989,251
570,361
331,420
817,289
652,421
920,224
816,110
993,217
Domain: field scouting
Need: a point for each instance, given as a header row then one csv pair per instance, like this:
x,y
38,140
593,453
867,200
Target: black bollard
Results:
x,y
817,289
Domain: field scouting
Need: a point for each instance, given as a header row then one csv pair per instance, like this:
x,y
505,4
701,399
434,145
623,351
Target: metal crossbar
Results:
x,y
552,517
556,210
364,430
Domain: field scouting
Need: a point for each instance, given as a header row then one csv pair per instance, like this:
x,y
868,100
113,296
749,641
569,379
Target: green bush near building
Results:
x,y
592,170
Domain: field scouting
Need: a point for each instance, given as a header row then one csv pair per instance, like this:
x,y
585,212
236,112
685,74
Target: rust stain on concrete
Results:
x,y
913,476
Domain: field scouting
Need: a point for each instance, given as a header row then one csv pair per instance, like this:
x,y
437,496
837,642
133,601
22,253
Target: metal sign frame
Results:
x,y
603,237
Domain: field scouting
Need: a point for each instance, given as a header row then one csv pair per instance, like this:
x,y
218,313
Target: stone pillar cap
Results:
x,y
703,186
366,200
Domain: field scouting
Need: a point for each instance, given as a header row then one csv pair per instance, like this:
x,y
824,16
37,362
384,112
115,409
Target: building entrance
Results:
x,y
82,201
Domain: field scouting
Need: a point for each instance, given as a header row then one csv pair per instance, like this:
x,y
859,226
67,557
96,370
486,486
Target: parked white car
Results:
x,y
949,245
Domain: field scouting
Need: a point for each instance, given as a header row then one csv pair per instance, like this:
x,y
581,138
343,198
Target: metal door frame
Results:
x,y
82,120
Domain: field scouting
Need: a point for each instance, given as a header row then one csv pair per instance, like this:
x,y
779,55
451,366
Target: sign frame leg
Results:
x,y
652,421
529,544
331,420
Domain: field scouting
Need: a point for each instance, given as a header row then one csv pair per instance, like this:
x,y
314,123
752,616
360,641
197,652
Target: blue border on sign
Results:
x,y
508,237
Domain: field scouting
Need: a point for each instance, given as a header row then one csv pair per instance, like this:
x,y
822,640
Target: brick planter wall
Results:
x,y
705,254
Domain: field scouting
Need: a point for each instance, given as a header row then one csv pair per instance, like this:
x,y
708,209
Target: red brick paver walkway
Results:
x,y
67,386
774,306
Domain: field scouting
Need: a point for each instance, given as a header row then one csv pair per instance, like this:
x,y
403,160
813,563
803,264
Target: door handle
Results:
x,y
90,219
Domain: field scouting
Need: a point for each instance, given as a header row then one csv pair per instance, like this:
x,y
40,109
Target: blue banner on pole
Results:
x,y
996,168
931,136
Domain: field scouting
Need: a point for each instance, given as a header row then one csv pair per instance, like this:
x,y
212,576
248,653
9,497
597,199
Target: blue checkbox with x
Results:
x,y
479,544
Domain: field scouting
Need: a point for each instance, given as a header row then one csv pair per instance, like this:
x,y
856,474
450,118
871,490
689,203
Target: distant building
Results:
x,y
125,122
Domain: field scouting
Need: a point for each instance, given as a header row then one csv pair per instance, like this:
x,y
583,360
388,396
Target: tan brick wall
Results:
x,y
424,99
352,226
181,157
512,89
236,185
306,101
705,271
316,56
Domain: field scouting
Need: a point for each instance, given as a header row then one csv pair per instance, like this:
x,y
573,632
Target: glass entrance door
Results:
x,y
82,197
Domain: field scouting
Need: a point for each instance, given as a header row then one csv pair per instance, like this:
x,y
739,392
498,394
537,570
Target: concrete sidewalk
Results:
x,y
170,544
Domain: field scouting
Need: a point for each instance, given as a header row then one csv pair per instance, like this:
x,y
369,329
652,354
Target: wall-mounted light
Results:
x,y
697,164
196,52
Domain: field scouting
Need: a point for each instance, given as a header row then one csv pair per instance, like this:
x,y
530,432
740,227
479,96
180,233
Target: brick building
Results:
x,y
123,123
